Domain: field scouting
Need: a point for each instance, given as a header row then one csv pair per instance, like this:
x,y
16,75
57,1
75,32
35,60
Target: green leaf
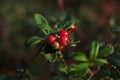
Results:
x,y
34,41
39,19
62,68
83,66
116,29
42,24
80,57
51,57
73,43
105,52
65,25
76,67
46,29
100,62
94,49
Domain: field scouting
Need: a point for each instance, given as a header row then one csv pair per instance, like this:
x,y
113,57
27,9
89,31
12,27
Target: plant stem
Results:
x,y
31,60
66,66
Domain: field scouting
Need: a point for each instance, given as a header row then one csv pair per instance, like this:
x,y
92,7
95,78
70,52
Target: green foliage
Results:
x,y
73,43
98,54
105,51
100,62
81,57
116,29
36,42
79,67
39,19
112,70
94,49
33,41
65,25
16,21
51,57
42,24
114,59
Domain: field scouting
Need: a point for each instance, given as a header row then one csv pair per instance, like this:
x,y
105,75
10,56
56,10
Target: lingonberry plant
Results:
x,y
101,61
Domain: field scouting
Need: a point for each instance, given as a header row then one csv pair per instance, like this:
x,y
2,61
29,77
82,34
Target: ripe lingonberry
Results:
x,y
55,45
72,28
63,33
64,40
51,39
61,47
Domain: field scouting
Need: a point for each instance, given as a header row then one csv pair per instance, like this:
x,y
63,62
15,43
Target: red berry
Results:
x,y
63,33
51,39
63,40
61,47
55,45
72,28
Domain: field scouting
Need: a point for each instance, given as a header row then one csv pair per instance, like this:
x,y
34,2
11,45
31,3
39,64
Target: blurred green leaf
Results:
x,y
51,57
105,52
62,68
42,24
65,25
116,29
80,57
78,70
34,40
94,49
73,43
46,29
39,19
76,67
100,62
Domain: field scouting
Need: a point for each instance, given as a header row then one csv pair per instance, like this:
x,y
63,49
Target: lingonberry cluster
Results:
x,y
61,40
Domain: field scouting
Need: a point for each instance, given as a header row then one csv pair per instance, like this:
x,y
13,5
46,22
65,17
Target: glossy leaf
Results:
x,y
94,49
100,62
76,67
34,40
62,68
80,57
73,43
42,24
39,19
46,29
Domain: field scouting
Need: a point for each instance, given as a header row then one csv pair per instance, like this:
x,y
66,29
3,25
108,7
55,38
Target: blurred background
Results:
x,y
93,18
